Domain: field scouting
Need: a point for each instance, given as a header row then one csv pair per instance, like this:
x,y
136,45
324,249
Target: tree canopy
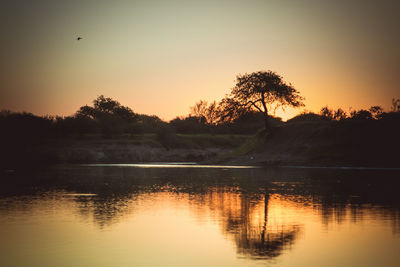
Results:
x,y
262,91
112,117
204,112
106,106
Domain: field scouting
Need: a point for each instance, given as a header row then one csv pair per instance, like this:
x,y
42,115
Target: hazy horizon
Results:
x,y
160,57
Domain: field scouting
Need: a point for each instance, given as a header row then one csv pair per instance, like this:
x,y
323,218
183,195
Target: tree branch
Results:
x,y
254,104
263,103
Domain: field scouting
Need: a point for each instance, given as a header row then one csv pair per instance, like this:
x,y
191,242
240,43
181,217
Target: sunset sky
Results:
x,y
160,57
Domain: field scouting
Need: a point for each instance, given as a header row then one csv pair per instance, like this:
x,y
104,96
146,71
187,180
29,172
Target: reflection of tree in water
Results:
x,y
240,199
242,216
105,210
264,240
245,217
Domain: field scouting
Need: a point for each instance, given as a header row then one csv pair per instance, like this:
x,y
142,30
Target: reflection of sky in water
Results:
x,y
171,165
223,221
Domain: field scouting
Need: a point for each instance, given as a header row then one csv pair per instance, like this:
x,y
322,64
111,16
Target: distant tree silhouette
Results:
x,y
189,125
361,114
327,113
106,106
112,116
199,110
331,114
339,114
376,111
205,112
149,123
395,105
261,91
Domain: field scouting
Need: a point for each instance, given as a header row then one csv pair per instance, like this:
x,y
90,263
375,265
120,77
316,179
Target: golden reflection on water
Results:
x,y
220,227
198,217
261,226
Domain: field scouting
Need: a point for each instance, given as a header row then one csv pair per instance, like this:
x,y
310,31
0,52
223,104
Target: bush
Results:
x,y
361,114
309,116
189,125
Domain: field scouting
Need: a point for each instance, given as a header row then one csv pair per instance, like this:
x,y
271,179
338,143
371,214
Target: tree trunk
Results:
x,y
264,229
266,122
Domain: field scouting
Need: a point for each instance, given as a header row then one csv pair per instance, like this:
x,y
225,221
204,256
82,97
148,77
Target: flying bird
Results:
x,y
79,38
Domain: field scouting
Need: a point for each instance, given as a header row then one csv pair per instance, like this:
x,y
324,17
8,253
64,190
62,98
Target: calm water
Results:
x,y
134,215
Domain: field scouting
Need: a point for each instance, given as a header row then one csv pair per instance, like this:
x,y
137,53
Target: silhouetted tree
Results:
x,y
199,110
339,114
395,105
331,114
259,91
149,123
361,114
212,113
106,106
110,114
65,126
189,125
376,111
205,112
327,113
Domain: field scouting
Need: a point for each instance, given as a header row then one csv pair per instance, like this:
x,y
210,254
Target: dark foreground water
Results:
x,y
166,216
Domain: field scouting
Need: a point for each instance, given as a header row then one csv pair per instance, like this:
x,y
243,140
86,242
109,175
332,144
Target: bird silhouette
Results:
x,y
79,38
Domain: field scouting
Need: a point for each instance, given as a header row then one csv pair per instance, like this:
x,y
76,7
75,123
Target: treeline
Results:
x,y
374,113
108,118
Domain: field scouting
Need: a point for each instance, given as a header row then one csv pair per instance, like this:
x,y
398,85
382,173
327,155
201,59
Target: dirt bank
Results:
x,y
326,143
132,149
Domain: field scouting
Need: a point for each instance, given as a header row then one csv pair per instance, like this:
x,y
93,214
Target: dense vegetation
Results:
x,y
108,118
245,111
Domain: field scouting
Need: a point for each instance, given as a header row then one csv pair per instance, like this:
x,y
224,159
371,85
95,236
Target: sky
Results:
x,y
160,57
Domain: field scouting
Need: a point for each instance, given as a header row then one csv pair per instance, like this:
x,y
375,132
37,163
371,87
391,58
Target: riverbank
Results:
x,y
324,144
122,149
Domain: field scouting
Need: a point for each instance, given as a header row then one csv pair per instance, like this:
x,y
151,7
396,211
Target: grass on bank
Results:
x,y
250,144
170,141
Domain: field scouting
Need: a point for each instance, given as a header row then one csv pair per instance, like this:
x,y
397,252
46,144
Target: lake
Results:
x,y
190,215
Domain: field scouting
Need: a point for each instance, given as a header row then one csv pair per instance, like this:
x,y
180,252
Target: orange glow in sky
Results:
x,y
160,57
